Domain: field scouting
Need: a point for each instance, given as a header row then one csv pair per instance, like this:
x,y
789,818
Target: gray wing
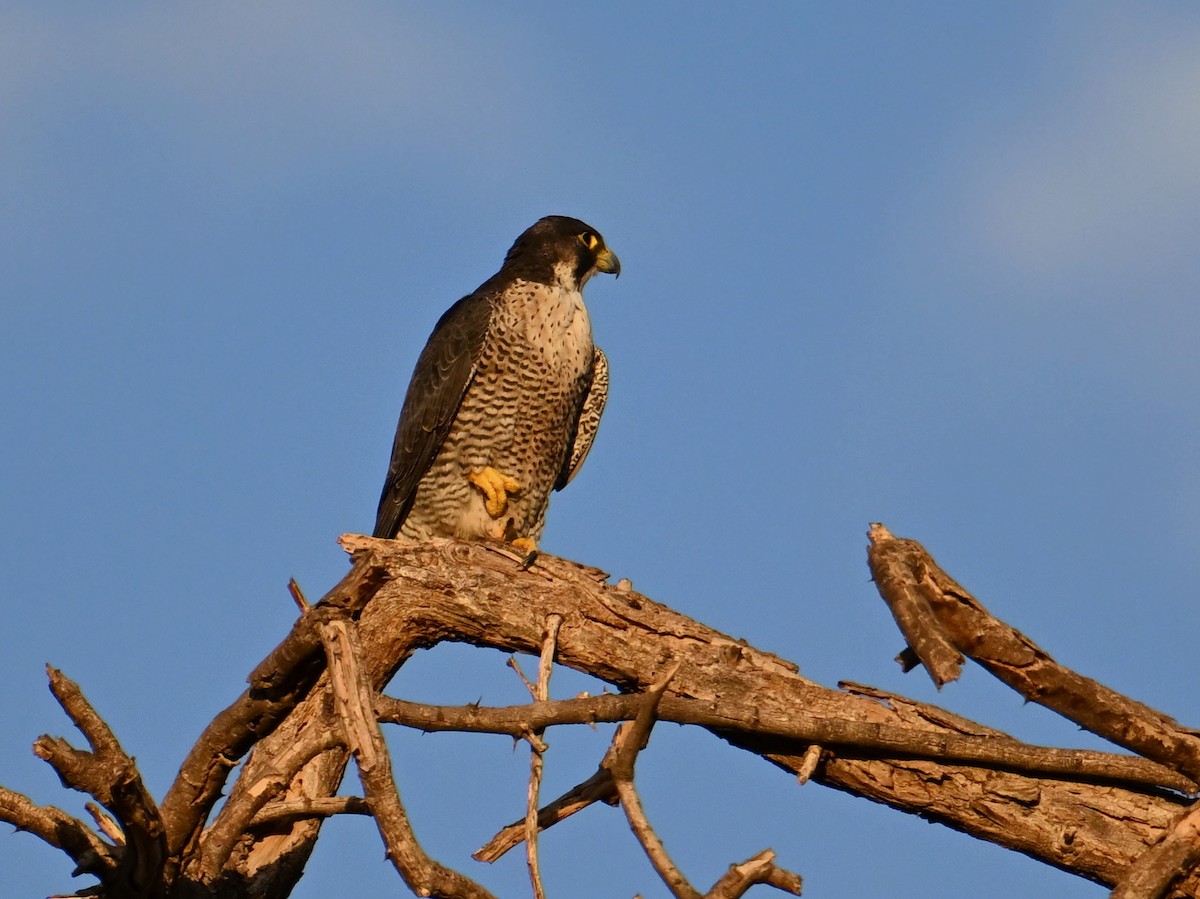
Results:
x,y
443,373
589,420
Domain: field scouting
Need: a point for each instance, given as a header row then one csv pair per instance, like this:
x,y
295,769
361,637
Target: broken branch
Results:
x,y
353,697
1025,667
111,777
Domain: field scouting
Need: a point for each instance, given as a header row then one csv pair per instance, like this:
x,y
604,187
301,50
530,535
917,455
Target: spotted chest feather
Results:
x,y
518,415
505,397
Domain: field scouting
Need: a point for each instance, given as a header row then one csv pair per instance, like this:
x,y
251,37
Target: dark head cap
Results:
x,y
563,243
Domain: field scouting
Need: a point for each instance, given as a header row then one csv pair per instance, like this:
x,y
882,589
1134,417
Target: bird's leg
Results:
x,y
524,558
496,487
528,546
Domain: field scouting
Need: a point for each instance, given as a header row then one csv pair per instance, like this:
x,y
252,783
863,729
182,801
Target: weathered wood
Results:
x,y
927,640
1093,814
452,591
1151,875
110,776
993,750
62,831
280,681
352,696
1025,667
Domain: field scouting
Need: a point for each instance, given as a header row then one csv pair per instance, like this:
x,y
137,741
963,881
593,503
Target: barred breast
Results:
x,y
518,416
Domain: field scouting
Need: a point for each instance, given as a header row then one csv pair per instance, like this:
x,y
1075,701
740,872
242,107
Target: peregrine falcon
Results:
x,y
505,398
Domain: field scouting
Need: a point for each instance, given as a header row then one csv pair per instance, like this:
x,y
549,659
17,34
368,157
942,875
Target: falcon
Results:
x,y
505,398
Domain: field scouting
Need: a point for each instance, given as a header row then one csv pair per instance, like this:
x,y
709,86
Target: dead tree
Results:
x,y
315,703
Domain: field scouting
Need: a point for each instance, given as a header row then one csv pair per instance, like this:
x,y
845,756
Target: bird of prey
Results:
x,y
505,398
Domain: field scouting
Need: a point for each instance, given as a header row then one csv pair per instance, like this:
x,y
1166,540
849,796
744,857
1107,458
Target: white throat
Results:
x,y
564,276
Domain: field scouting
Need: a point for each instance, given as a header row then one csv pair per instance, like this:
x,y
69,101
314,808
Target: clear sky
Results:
x,y
931,264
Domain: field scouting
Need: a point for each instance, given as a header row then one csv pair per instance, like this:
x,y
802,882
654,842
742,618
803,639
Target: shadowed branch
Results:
x,y
315,702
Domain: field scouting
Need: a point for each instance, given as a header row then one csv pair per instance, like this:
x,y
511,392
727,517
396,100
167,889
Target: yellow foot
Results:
x,y
496,487
527,546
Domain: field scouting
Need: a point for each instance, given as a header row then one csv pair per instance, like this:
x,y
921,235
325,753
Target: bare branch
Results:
x,y
851,738
812,758
298,596
353,697
541,693
280,681
90,853
597,788
106,824
758,869
927,639
109,775
278,715
1152,873
529,685
289,810
630,739
1091,813
1021,664
546,659
443,590
237,813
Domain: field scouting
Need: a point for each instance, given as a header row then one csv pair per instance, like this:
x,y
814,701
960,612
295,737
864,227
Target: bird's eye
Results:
x,y
589,240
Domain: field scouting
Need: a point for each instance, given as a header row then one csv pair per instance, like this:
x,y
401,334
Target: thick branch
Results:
x,y
851,738
1023,665
109,775
283,678
1153,872
353,696
91,854
1087,813
445,590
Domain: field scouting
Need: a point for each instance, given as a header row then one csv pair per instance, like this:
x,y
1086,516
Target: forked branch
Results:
x,y
316,700
111,777
903,569
353,696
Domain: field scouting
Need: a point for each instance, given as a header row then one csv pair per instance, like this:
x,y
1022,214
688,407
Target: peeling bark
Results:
x,y
1092,814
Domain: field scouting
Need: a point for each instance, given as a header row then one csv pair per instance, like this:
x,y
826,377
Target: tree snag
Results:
x,y
316,702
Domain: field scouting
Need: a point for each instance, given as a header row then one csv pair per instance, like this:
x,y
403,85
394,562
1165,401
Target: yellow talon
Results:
x,y
528,547
496,487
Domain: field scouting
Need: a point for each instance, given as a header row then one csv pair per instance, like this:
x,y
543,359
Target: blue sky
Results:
x,y
928,264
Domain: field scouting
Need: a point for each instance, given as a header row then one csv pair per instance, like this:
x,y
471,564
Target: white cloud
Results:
x,y
1108,168
248,87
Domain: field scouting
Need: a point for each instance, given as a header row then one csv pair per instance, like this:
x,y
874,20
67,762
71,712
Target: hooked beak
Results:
x,y
607,262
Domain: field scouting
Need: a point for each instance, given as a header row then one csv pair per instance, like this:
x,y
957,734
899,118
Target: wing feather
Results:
x,y
590,409
442,375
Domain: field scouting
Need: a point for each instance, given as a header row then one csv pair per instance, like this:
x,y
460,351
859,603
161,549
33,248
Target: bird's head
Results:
x,y
561,250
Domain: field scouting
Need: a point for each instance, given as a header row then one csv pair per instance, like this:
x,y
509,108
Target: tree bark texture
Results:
x,y
1088,813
